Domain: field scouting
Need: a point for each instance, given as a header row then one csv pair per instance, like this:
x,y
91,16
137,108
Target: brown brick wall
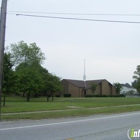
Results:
x,y
107,88
104,88
65,86
75,91
89,91
113,91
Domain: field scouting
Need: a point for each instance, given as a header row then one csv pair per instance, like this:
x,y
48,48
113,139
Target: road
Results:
x,y
96,127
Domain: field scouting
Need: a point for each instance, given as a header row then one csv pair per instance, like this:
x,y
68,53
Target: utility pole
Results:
x,y
2,44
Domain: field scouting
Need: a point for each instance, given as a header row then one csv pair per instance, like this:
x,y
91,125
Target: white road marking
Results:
x,y
51,124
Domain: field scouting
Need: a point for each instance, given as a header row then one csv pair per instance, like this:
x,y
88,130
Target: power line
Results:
x,y
90,14
80,19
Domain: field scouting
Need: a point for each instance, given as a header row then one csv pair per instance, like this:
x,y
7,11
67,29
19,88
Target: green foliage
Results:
x,y
57,95
89,95
137,73
101,95
30,81
136,76
93,88
120,95
98,95
24,53
9,77
53,83
118,87
32,78
67,95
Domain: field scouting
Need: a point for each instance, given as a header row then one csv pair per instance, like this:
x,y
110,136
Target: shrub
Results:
x,y
57,96
101,95
111,95
120,95
89,96
98,95
67,95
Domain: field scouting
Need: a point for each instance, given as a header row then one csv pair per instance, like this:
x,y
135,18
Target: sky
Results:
x,y
111,50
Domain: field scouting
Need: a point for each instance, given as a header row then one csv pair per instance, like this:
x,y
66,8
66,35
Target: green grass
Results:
x,y
19,104
71,113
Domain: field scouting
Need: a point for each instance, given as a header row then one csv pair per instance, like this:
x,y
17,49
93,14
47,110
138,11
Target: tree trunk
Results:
x,y
52,97
23,95
36,95
47,98
28,97
4,100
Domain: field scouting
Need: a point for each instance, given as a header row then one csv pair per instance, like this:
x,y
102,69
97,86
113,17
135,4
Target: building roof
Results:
x,y
81,83
89,82
78,83
127,85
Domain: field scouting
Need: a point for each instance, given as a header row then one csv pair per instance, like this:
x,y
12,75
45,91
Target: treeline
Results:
x,y
24,74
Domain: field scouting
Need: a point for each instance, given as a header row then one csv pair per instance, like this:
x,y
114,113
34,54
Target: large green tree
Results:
x,y
33,78
9,77
27,61
53,84
27,54
30,81
136,77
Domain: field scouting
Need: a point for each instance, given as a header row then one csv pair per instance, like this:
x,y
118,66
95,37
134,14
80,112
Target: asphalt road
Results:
x,y
97,127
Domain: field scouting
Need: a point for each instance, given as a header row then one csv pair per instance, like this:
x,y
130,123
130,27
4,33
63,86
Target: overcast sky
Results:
x,y
111,50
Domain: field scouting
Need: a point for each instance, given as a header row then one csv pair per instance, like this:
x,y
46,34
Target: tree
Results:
x,y
52,85
118,87
30,81
33,78
136,77
27,61
9,77
27,54
93,88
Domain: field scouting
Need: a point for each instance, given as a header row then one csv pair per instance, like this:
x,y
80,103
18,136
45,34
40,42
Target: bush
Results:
x,y
101,95
89,96
67,95
57,96
112,95
17,94
98,95
120,95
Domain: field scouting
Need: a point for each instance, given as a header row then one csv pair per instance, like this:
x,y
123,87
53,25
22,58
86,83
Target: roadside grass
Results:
x,y
83,107
71,113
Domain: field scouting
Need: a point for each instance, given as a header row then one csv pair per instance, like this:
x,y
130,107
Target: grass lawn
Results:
x,y
84,106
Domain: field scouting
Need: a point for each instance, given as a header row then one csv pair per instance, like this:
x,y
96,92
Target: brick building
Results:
x,y
79,88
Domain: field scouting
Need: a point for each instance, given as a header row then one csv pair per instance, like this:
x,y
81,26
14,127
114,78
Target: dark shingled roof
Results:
x,y
81,83
88,83
78,83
